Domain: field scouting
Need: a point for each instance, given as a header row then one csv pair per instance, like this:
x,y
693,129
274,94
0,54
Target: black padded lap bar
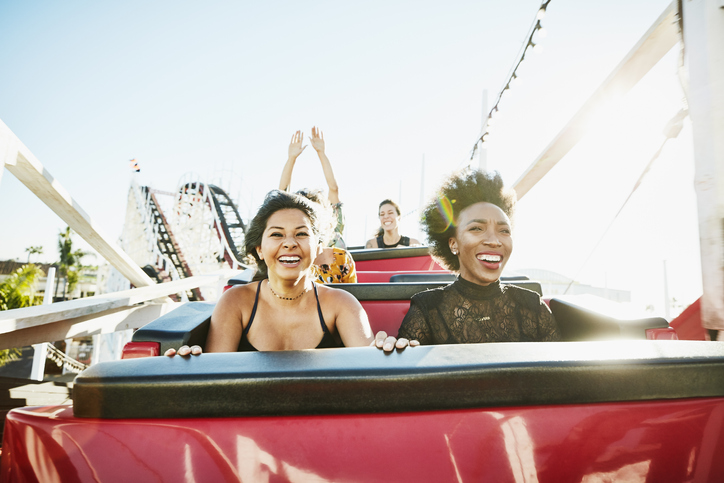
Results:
x,y
365,380
423,277
386,291
187,324
387,253
578,323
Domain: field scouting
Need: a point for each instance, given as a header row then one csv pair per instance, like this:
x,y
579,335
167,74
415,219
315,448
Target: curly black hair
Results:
x,y
274,201
457,193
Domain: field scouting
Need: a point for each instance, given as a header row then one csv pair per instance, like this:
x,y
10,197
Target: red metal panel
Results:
x,y
383,276
688,324
133,350
661,334
423,263
386,315
678,440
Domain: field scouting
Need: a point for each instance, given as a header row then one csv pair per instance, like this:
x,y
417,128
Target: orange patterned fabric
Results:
x,y
341,270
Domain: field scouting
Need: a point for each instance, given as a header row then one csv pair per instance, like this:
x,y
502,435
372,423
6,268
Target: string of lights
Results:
x,y
536,27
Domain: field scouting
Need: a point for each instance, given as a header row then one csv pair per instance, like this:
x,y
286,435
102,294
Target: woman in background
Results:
x,y
388,235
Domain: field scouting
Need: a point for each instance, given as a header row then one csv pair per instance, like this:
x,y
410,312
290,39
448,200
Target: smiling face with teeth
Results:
x,y
483,241
389,217
288,245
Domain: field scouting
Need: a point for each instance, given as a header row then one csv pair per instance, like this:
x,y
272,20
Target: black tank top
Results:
x,y
404,241
328,340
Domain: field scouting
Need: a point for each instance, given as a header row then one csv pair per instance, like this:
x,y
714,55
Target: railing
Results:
x,y
101,314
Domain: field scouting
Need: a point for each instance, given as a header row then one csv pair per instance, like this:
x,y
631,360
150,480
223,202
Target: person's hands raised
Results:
x,y
317,139
295,145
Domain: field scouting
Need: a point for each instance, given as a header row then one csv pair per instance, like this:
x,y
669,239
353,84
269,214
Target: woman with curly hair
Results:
x,y
469,231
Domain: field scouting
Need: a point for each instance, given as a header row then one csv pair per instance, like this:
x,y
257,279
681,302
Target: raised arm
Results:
x,y
350,318
295,149
317,140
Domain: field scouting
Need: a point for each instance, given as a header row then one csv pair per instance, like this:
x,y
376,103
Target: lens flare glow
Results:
x,y
445,207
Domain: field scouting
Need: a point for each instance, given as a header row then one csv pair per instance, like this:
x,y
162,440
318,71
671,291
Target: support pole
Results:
x,y
704,42
654,44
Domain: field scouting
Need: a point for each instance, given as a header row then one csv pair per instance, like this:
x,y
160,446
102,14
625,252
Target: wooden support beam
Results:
x,y
654,44
109,321
20,162
704,47
44,323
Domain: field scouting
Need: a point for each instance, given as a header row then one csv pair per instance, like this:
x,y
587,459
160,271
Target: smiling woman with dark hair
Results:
x,y
388,235
470,232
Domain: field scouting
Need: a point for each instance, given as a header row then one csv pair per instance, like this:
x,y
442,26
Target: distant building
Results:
x,y
554,283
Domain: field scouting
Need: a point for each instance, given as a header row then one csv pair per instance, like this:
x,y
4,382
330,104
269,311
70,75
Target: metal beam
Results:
x,y
654,44
20,162
17,319
704,42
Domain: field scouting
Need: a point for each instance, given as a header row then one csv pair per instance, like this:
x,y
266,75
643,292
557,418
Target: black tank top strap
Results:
x,y
253,310
380,242
404,241
319,310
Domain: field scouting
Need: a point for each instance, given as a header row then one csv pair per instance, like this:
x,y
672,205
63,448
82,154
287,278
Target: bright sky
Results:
x,y
218,88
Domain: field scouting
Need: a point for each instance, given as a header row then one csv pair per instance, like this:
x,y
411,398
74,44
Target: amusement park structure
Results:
x,y
201,232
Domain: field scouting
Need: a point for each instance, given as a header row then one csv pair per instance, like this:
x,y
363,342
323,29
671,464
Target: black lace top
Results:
x,y
465,313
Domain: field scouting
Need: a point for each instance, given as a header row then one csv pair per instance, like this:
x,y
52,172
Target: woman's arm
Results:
x,y
317,140
351,320
371,243
415,326
295,149
547,326
226,323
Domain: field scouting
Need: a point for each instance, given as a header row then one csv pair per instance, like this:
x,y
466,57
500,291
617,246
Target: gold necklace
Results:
x,y
286,298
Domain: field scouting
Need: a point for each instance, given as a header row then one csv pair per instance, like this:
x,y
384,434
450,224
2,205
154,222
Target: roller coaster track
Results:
x,y
199,232
231,223
166,241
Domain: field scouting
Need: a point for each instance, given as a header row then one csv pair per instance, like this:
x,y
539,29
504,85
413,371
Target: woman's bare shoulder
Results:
x,y
239,295
371,243
335,295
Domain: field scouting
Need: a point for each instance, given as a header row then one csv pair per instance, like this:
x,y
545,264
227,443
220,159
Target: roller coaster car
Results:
x,y
584,410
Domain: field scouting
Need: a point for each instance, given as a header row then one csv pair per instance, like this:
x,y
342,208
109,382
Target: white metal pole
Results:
x,y
703,41
667,300
37,372
49,286
422,199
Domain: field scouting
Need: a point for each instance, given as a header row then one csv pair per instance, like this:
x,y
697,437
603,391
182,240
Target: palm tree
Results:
x,y
33,250
69,260
18,290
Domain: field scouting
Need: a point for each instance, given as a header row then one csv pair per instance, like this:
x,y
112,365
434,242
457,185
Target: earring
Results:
x,y
454,252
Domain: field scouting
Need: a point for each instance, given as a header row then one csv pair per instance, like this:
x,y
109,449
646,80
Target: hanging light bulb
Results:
x,y
541,12
542,33
485,137
516,81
